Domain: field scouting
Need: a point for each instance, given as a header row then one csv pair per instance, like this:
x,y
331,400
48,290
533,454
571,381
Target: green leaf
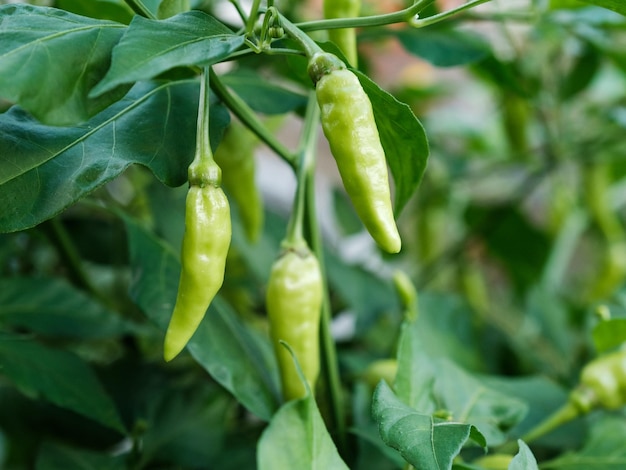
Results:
x,y
60,457
445,328
297,438
44,169
470,400
185,426
169,8
444,46
53,307
151,47
114,10
430,385
603,450
425,442
616,5
584,69
261,95
609,334
547,322
50,59
524,459
372,452
238,359
403,138
57,376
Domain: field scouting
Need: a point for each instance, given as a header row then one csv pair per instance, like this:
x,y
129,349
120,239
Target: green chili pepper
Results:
x,y
494,462
206,239
294,300
602,383
348,123
344,38
205,246
235,156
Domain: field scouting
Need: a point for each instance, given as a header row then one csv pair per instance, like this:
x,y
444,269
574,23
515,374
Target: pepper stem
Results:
x,y
306,159
561,416
309,45
203,170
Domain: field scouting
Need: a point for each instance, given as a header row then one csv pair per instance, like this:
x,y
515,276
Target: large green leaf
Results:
x,y
430,385
424,441
470,400
297,438
151,47
55,308
59,377
445,328
44,169
403,138
616,5
237,358
50,59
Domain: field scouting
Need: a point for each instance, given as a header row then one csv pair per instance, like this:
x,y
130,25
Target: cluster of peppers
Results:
x,y
295,287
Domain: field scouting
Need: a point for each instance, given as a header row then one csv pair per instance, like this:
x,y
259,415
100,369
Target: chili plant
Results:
x,y
161,307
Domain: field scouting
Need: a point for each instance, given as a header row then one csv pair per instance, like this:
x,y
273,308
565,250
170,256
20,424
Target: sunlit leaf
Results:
x,y
297,438
50,59
44,169
424,441
524,459
151,47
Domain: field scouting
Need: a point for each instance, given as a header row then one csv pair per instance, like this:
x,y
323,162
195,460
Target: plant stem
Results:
x,y
561,416
367,21
328,349
249,118
203,141
203,170
297,33
420,23
138,7
306,160
252,16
